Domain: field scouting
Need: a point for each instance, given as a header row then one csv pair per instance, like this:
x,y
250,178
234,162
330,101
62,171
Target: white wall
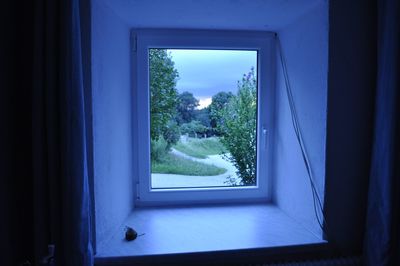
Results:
x,y
305,42
305,45
211,14
112,131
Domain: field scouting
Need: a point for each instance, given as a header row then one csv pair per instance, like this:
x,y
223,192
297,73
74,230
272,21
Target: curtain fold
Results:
x,y
62,191
382,246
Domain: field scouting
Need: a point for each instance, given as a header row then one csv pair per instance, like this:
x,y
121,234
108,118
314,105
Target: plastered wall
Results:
x,y
112,130
305,46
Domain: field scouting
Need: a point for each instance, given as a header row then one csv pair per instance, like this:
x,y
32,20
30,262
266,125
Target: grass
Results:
x,y
201,148
172,164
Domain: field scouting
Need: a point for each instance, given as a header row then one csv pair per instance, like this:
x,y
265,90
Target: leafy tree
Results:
x,y
187,104
171,133
193,128
239,128
203,116
218,102
163,93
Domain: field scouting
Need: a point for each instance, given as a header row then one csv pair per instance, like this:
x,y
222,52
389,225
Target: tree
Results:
x,y
193,128
163,93
203,115
239,128
171,133
218,102
187,104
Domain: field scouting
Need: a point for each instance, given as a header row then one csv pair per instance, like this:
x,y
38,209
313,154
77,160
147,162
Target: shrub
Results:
x,y
158,149
193,128
239,128
171,133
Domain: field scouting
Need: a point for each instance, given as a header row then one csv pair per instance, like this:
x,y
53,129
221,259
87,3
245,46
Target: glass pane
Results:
x,y
203,118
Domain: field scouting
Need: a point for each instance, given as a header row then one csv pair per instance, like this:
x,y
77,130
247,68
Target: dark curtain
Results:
x,y
382,246
62,201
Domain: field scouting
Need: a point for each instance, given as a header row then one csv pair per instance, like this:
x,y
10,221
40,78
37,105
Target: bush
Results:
x,y
193,128
158,149
171,133
239,128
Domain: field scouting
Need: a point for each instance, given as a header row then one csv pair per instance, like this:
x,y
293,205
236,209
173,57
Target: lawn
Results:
x,y
172,164
201,148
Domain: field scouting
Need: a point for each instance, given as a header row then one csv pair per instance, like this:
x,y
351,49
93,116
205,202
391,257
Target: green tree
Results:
x,y
218,102
187,104
163,93
239,128
203,115
193,128
171,133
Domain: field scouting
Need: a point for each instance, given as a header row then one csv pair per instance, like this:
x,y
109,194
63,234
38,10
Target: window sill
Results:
x,y
204,230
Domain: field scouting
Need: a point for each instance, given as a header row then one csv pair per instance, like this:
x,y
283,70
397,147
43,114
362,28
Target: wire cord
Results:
x,y
317,203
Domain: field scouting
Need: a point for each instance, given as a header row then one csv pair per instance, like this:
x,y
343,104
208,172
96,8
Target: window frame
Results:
x,y
144,39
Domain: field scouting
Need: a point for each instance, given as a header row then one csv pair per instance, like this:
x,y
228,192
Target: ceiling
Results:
x,y
211,14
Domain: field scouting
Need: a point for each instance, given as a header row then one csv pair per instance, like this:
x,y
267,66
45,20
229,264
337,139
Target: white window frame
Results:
x,y
144,39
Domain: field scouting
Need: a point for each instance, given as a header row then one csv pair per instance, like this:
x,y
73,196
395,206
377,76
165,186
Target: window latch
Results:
x,y
264,138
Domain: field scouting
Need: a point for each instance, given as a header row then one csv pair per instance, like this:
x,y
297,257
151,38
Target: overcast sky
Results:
x,y
207,72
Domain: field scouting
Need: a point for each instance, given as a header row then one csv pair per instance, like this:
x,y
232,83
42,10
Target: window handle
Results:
x,y
264,138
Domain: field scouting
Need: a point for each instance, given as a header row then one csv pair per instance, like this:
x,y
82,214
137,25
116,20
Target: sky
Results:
x,y
207,72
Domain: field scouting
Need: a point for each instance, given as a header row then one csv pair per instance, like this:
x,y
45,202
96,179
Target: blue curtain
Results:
x,y
60,140
382,246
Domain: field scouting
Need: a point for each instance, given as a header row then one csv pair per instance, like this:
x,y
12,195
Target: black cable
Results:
x,y
317,204
300,141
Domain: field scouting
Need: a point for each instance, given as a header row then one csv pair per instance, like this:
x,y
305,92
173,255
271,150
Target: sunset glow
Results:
x,y
203,103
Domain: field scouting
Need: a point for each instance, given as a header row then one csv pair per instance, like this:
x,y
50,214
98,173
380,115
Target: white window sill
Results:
x,y
184,230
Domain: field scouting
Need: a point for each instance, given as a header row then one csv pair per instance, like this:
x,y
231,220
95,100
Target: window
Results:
x,y
202,136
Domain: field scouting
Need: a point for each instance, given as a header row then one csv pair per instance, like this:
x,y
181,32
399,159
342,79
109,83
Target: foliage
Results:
x,y
163,93
218,102
172,164
201,148
187,104
239,128
171,133
158,149
203,116
193,128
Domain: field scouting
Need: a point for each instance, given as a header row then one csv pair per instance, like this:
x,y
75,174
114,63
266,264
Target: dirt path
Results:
x,y
171,180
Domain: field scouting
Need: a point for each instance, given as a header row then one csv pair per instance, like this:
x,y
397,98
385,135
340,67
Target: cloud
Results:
x,y
206,72
204,102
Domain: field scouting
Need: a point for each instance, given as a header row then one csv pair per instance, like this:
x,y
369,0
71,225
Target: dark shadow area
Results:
x,y
16,182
